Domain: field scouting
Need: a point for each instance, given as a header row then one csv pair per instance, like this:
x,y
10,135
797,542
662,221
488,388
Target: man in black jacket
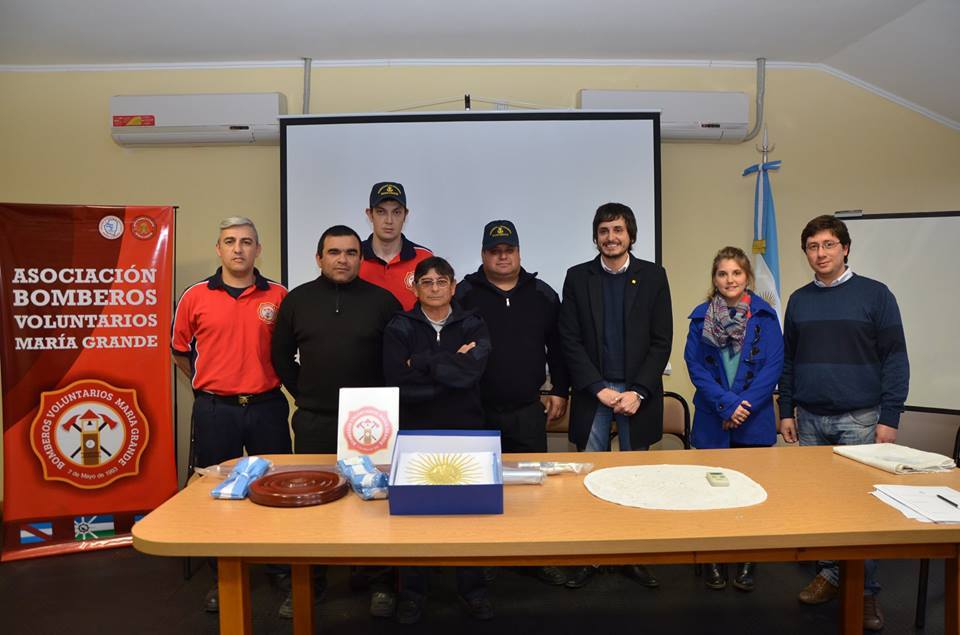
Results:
x,y
521,312
616,326
436,353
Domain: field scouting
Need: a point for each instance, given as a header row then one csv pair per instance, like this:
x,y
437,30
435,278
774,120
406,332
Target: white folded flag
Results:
x,y
898,459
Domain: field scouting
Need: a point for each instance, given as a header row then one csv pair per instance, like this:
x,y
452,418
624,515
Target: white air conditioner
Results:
x,y
684,115
205,119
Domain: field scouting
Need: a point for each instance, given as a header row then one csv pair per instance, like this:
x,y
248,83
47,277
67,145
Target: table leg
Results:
x,y
234,584
302,586
851,597
951,596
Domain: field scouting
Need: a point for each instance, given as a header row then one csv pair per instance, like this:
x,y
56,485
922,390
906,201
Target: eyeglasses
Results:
x,y
426,283
827,245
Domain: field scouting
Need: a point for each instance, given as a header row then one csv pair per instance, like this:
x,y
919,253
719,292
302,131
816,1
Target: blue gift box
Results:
x,y
485,498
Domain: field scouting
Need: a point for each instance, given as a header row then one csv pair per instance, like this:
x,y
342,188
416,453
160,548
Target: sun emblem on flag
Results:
x,y
444,469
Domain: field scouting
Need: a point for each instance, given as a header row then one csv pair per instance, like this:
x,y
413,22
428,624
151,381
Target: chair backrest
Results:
x,y
676,417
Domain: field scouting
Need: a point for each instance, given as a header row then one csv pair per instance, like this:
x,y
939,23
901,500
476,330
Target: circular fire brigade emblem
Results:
x,y
89,434
267,311
408,281
367,430
143,227
111,227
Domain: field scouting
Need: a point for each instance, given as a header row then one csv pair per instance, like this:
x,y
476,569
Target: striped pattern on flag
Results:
x,y
32,533
93,527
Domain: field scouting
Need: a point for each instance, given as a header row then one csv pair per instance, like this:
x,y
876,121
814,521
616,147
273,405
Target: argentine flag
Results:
x,y
766,256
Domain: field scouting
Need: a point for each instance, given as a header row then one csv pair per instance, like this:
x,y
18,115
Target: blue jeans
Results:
x,y
599,440
857,427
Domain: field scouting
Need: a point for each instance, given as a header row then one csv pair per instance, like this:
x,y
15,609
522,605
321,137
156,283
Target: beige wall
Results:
x,y
842,148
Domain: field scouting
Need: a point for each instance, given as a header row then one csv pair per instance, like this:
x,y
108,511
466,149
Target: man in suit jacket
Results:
x,y
616,327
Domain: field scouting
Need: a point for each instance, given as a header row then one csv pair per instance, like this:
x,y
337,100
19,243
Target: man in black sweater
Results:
x,y
336,322
521,313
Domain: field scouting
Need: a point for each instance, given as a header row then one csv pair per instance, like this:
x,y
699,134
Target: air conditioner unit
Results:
x,y
204,119
684,115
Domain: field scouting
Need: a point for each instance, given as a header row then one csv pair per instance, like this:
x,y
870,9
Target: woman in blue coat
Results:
x,y
734,355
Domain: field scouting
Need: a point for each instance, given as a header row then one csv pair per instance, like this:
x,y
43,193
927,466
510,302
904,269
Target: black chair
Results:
x,y
921,617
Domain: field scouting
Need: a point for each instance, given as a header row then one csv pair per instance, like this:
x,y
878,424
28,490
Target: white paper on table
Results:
x,y
445,468
924,500
900,507
367,420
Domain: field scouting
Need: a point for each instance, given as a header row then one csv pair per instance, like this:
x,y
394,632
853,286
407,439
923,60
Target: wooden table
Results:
x,y
818,507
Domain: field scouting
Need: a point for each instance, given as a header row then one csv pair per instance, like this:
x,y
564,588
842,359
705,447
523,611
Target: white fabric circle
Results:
x,y
674,487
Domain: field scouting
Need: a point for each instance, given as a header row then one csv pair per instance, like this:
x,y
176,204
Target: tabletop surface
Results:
x,y
815,498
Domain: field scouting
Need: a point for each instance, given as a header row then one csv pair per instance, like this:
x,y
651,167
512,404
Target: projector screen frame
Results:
x,y
846,218
552,115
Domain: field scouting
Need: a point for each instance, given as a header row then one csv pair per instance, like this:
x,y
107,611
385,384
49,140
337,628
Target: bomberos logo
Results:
x,y
267,312
367,430
89,434
408,281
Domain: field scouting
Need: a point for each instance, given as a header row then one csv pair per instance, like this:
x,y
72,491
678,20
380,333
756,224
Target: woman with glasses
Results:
x,y
734,355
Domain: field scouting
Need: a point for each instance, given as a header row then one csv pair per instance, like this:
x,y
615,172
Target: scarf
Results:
x,y
725,325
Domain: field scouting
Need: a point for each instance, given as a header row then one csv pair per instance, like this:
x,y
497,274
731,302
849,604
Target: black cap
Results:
x,y
500,232
387,191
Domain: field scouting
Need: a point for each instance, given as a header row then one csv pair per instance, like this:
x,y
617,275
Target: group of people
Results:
x,y
476,353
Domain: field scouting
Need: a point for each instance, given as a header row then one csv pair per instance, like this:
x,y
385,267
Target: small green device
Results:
x,y
717,479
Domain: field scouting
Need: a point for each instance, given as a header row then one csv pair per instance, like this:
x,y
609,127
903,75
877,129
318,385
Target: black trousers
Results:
x,y
415,582
314,432
222,430
522,429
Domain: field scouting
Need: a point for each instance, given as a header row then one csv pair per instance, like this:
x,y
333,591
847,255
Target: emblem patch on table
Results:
x,y
89,434
367,430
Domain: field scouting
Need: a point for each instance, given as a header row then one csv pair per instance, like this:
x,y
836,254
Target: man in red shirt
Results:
x,y
388,257
222,332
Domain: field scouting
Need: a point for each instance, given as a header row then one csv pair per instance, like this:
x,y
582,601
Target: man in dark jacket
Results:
x,y
521,313
616,326
436,353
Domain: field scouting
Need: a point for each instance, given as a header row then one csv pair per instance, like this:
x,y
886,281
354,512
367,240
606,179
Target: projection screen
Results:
x,y
546,171
916,256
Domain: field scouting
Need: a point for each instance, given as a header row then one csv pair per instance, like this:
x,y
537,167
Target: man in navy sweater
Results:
x,y
845,371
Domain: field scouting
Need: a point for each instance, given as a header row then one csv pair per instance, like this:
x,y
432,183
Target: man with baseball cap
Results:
x,y
388,257
521,312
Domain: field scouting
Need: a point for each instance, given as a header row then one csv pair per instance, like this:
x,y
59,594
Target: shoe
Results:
x,y
211,603
286,608
478,606
819,590
744,578
409,610
383,603
579,577
554,576
872,615
642,575
715,576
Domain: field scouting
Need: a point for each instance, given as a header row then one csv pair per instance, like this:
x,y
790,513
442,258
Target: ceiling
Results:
x,y
909,49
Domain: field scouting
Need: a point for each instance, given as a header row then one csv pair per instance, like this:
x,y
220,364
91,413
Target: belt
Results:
x,y
242,400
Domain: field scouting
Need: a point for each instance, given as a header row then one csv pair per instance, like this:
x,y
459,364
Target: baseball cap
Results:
x,y
387,191
500,232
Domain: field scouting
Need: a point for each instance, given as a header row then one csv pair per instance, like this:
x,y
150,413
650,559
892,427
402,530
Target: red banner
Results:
x,y
88,435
